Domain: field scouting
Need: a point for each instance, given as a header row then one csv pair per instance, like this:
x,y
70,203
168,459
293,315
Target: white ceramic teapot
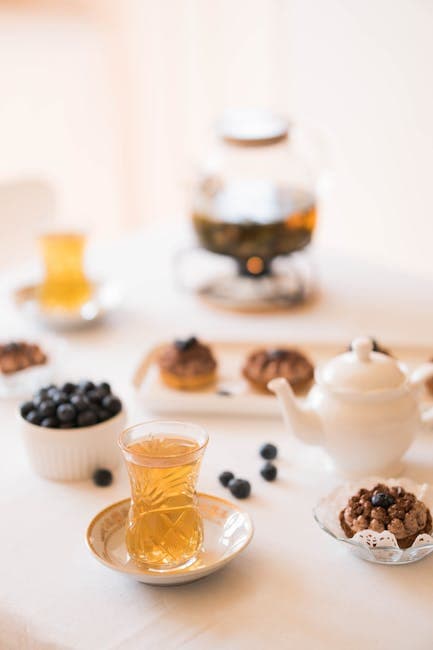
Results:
x,y
363,409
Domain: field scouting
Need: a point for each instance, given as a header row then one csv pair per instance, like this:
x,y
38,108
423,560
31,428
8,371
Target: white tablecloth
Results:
x,y
294,587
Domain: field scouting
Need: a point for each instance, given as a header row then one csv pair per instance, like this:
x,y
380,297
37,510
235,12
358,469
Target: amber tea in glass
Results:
x,y
164,528
65,284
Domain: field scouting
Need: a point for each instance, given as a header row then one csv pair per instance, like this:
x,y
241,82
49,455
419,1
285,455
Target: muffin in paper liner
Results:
x,y
382,547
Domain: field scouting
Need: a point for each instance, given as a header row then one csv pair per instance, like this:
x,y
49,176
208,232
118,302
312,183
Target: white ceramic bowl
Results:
x,y
73,454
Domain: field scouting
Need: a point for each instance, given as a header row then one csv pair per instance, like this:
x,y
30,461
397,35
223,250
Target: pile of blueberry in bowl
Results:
x,y
70,431
71,405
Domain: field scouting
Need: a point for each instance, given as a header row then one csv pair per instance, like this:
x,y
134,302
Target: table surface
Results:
x,y
293,587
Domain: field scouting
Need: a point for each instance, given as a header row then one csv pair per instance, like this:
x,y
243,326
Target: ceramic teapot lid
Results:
x,y
361,370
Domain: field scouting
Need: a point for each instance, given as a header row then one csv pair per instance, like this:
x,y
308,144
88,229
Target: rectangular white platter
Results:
x,y
242,400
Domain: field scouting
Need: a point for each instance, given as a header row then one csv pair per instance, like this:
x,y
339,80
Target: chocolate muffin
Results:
x,y
19,355
387,508
263,365
187,364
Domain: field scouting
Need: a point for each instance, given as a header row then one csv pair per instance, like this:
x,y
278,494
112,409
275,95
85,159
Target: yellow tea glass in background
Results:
x,y
65,284
165,529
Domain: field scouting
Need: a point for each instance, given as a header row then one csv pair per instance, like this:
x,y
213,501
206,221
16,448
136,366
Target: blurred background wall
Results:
x,y
109,101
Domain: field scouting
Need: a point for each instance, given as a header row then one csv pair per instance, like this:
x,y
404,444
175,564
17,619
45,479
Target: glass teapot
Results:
x,y
255,197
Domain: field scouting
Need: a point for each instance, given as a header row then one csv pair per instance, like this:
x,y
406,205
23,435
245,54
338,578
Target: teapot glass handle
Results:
x,y
417,378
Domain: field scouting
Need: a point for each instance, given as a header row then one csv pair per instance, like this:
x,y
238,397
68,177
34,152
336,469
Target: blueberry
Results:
x,y
60,397
185,344
53,390
105,387
239,488
102,477
225,478
39,398
87,418
268,451
86,385
80,402
66,425
47,408
269,472
41,394
382,500
103,415
26,408
68,387
276,355
33,417
112,404
50,423
66,413
95,395
12,347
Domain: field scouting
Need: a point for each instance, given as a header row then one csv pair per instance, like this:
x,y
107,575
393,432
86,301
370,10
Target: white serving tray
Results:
x,y
243,400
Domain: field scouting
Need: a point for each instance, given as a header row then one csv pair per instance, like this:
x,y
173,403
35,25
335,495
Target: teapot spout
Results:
x,y
301,420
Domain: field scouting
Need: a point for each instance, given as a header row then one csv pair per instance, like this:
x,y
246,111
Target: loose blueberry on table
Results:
x,y
71,405
225,478
269,471
102,477
268,451
240,488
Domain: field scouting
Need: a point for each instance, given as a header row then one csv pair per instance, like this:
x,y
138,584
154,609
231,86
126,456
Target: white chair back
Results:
x,y
27,206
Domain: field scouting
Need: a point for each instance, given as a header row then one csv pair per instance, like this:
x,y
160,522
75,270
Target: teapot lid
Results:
x,y
254,127
361,370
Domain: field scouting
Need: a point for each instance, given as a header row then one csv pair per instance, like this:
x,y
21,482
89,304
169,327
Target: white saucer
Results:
x,y
105,298
227,531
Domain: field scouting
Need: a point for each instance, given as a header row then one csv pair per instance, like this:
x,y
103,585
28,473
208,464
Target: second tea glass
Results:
x,y
65,284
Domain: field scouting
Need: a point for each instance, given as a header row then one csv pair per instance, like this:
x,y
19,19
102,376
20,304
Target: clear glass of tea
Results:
x,y
165,529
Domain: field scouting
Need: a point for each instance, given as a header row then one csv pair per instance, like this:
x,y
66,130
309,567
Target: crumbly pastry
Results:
x,y
263,365
20,355
187,365
387,508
